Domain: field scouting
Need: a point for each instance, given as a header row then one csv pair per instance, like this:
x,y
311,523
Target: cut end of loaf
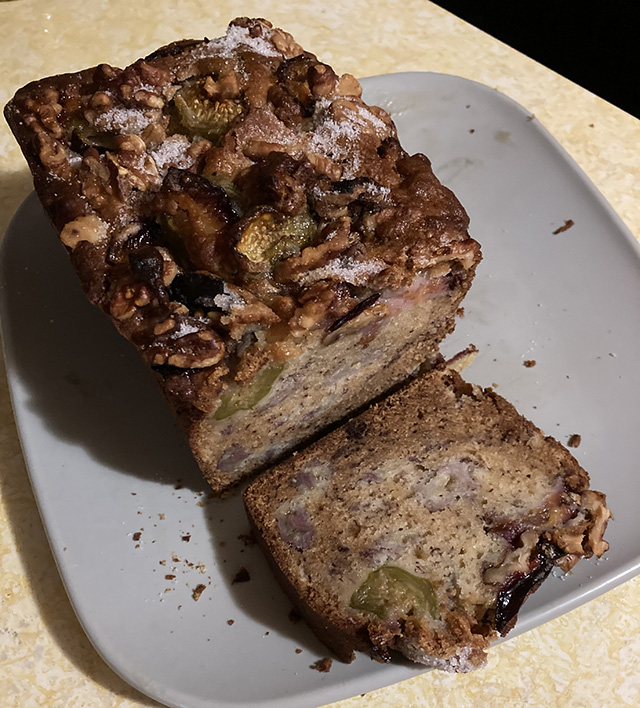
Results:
x,y
452,510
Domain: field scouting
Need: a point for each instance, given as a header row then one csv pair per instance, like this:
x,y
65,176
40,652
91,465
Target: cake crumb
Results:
x,y
247,538
565,227
197,591
230,622
162,562
529,363
322,665
463,359
574,440
298,650
242,576
136,536
169,577
294,616
186,537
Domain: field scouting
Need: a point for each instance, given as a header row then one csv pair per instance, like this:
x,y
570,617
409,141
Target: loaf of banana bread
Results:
x,y
423,524
254,228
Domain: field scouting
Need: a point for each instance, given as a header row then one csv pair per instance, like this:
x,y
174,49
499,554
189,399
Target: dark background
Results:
x,y
595,44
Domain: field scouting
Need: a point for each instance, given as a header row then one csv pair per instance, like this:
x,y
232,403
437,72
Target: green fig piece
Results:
x,y
243,398
270,236
390,591
203,117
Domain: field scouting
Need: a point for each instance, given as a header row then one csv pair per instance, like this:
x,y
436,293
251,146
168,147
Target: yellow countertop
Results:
x,y
589,657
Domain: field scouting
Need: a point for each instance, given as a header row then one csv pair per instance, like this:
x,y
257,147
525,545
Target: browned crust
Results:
x,y
343,639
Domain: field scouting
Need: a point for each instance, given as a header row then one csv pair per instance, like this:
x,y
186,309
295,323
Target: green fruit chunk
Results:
x,y
243,398
203,117
90,136
390,591
270,236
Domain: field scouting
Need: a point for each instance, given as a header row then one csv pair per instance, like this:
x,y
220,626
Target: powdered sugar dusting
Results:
x,y
374,189
239,38
463,662
338,139
365,114
123,120
172,153
346,270
229,300
184,329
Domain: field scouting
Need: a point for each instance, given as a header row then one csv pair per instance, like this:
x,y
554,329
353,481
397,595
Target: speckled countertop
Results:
x,y
589,657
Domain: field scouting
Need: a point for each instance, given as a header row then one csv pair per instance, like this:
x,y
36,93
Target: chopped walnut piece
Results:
x,y
574,440
600,515
124,301
135,168
89,228
169,268
226,86
242,576
132,143
349,86
322,665
154,134
285,43
101,100
148,98
195,359
323,80
164,326
52,153
197,591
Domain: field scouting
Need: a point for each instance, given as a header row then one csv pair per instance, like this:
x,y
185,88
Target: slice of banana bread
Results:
x,y
424,524
254,228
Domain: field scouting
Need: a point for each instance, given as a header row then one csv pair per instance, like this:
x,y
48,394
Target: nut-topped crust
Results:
x,y
219,197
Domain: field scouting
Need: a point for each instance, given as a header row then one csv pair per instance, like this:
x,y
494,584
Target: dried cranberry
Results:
x,y
519,587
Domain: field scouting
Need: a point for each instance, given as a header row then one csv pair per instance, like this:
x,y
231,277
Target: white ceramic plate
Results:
x,y
104,456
